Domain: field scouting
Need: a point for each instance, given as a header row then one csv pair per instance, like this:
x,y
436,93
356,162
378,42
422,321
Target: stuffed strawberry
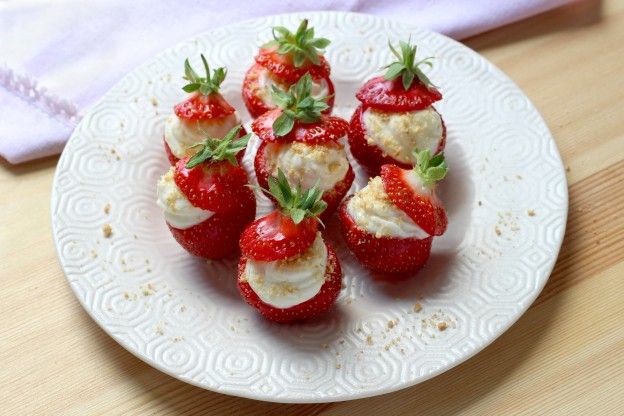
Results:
x,y
204,113
205,198
281,63
396,114
298,139
287,271
390,223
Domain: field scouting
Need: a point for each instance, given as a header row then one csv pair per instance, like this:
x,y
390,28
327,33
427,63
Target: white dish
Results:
x,y
185,317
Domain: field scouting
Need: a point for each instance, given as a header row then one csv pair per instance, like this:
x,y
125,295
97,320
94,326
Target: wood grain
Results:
x,y
562,357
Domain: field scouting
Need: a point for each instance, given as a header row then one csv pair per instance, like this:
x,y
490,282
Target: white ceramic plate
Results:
x,y
506,196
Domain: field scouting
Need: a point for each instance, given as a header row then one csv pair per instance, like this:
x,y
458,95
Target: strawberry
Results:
x,y
284,60
203,110
315,306
403,90
370,155
383,254
299,119
277,241
212,182
411,191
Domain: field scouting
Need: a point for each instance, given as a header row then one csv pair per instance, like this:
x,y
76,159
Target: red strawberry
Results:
x,y
212,181
300,120
204,106
277,237
383,254
323,130
315,306
413,192
404,88
370,155
389,95
420,205
288,57
287,235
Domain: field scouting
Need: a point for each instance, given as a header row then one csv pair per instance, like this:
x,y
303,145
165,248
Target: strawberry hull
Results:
x,y
317,305
384,254
217,237
173,159
369,155
332,196
257,106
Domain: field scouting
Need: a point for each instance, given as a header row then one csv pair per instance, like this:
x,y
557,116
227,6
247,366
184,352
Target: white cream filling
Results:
x,y
397,134
305,164
181,134
286,283
266,82
371,209
178,210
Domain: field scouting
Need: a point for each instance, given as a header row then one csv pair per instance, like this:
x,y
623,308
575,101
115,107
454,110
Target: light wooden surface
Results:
x,y
564,356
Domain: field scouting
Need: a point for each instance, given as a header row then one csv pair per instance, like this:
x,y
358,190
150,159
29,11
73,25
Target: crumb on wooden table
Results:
x,y
107,230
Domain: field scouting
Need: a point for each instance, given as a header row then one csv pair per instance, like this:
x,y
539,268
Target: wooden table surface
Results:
x,y
564,356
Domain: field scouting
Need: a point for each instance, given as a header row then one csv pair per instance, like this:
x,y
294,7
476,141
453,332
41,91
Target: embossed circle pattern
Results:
x,y
506,197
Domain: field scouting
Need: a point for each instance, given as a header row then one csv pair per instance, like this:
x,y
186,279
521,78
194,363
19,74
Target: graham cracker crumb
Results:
x,y
531,213
417,307
497,230
567,168
94,254
107,230
391,324
338,366
324,346
442,325
107,208
369,340
154,101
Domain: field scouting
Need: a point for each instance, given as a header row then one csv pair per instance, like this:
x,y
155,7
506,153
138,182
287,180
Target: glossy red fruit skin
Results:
x,y
390,96
332,196
283,67
217,237
328,129
276,237
371,156
173,159
383,254
203,107
319,304
256,106
427,213
218,187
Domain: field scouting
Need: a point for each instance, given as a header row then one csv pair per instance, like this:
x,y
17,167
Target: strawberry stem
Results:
x,y
215,150
297,104
205,85
302,46
295,202
430,169
407,67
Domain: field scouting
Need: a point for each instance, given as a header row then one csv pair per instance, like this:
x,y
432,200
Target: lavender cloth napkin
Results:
x,y
61,56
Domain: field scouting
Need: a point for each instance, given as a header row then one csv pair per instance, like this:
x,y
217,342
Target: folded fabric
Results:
x,y
61,56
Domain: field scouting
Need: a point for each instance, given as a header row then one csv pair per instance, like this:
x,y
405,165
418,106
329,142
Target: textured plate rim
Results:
x,y
354,395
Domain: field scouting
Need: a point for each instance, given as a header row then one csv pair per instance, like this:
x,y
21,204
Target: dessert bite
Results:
x,y
390,223
203,113
304,143
396,114
205,198
282,62
287,271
